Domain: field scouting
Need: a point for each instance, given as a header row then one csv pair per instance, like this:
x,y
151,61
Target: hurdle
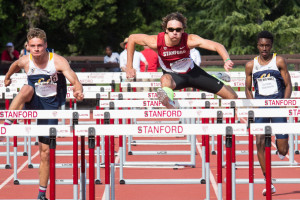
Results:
x,y
25,130
185,113
165,129
270,129
51,114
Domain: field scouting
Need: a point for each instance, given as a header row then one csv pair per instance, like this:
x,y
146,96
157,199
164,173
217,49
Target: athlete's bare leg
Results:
x,y
22,97
227,92
44,164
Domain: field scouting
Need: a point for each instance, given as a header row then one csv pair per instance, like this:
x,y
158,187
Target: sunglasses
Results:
x,y
174,29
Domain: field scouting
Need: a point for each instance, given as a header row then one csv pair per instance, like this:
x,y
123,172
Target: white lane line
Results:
x,y
117,158
19,169
212,178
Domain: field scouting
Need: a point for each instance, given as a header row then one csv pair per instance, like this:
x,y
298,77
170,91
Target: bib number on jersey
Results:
x,y
267,86
46,89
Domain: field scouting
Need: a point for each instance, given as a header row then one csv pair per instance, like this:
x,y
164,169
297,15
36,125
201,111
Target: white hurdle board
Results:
x,y
163,113
149,95
260,102
89,95
92,88
269,112
157,103
162,129
34,130
277,128
140,84
43,114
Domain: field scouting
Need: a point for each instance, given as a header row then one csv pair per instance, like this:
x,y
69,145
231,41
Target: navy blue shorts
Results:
x,y
273,120
39,103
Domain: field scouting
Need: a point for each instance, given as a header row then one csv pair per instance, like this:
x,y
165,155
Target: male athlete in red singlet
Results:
x,y
173,48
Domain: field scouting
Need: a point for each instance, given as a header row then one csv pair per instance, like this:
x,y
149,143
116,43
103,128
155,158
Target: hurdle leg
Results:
x,y
16,181
296,144
207,152
121,159
251,167
107,169
268,162
193,149
52,147
75,159
203,158
91,143
98,180
7,166
112,166
25,152
82,176
219,165
291,149
29,148
102,149
233,168
228,165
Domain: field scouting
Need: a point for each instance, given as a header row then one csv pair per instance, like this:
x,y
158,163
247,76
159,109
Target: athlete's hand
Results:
x,y
130,72
78,95
7,81
228,65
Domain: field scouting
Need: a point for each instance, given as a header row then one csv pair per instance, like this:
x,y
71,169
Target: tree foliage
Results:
x,y
85,27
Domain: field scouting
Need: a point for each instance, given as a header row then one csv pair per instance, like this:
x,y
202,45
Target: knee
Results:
x,y
44,155
26,93
260,146
166,81
283,150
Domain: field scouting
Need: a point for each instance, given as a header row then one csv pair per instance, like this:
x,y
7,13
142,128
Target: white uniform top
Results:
x,y
137,58
195,55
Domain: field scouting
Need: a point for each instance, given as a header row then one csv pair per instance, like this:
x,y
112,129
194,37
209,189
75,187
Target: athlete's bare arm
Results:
x,y
248,81
63,66
141,39
197,41
282,66
16,67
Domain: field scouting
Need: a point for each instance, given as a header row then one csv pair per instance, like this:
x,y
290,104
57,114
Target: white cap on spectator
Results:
x,y
9,44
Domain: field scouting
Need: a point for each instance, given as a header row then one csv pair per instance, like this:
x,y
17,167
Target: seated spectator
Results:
x,y
112,57
152,59
9,54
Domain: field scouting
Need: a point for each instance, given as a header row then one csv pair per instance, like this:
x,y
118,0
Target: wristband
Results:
x,y
226,60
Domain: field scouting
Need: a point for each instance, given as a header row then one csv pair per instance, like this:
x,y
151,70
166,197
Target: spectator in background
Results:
x,y
9,54
152,59
25,51
195,55
112,57
137,58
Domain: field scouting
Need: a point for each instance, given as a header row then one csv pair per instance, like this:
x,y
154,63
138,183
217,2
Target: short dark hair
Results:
x,y
265,34
173,16
108,47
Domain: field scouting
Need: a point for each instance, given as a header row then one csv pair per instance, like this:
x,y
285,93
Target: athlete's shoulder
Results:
x,y
249,65
23,61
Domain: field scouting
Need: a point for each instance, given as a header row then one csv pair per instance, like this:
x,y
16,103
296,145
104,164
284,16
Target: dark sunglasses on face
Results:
x,y
174,29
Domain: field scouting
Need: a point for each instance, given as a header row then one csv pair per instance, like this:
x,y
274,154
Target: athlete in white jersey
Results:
x,y
45,90
271,80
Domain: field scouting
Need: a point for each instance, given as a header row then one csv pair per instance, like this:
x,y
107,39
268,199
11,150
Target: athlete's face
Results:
x,y
37,47
264,46
174,30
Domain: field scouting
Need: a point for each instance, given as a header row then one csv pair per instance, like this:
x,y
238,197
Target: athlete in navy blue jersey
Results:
x,y
46,90
271,80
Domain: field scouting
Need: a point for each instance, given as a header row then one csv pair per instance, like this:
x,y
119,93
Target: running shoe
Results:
x,y
164,99
223,77
273,190
281,157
